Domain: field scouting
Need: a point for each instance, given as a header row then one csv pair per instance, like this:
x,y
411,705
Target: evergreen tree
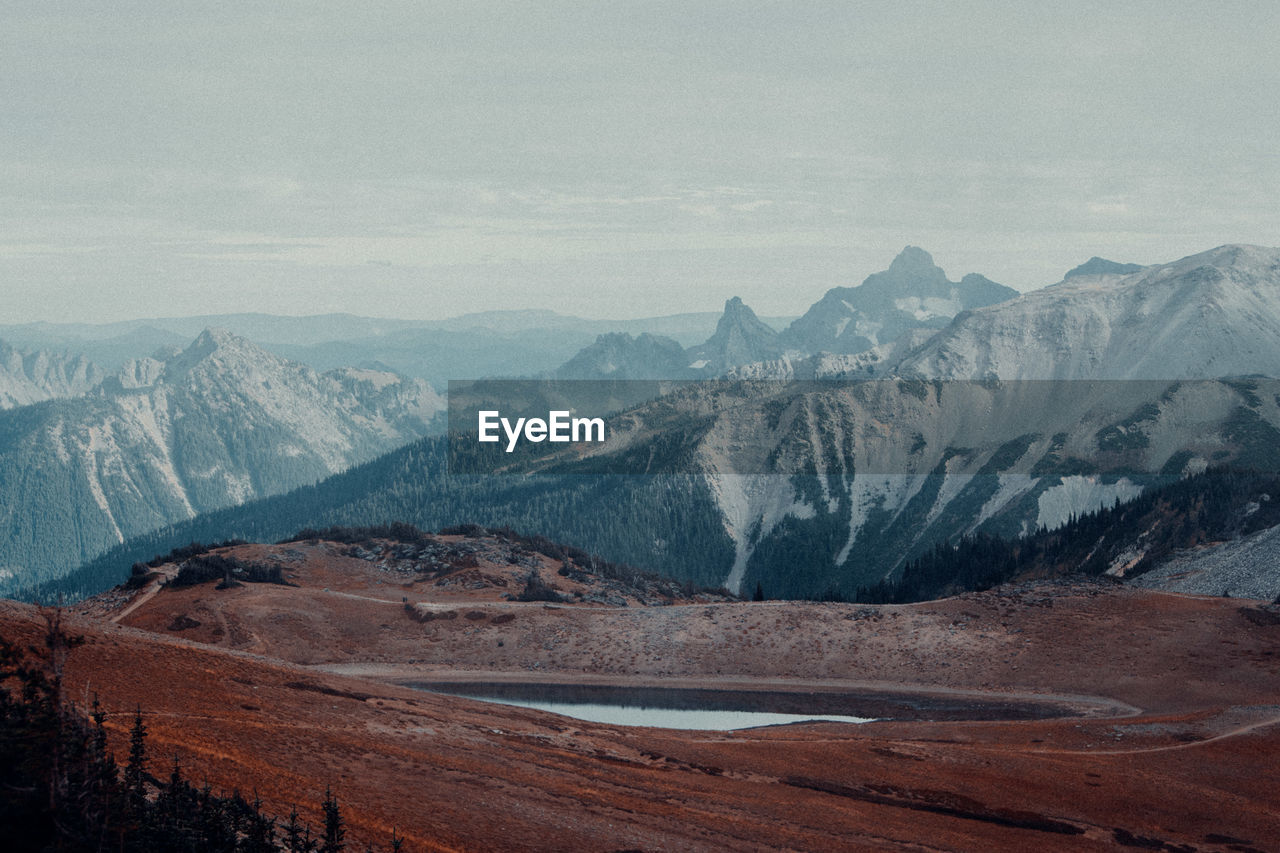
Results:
x,y
261,830
334,832
135,771
297,836
61,790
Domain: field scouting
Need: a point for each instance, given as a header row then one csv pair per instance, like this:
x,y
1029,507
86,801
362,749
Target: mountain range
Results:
x,y
487,343
912,296
164,439
1208,315
1010,417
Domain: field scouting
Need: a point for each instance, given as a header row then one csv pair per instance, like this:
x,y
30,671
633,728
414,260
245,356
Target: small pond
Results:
x,y
659,707
725,710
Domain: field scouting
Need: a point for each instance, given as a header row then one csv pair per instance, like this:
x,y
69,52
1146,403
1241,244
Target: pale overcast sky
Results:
x,y
424,159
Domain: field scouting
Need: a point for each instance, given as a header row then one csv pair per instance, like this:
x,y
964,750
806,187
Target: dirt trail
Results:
x,y
147,594
1236,732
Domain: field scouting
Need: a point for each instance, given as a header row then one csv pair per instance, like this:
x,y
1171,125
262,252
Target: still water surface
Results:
x,y
675,708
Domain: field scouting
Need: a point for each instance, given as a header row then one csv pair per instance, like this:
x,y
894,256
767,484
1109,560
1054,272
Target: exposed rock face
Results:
x,y
33,377
214,425
912,294
805,488
619,355
740,338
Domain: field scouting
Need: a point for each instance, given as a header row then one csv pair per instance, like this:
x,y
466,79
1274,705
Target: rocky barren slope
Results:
x,y
33,377
1169,743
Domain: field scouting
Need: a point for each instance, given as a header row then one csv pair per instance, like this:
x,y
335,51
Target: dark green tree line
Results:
x,y
62,790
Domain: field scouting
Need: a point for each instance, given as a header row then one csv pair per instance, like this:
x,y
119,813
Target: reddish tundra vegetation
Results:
x,y
1049,716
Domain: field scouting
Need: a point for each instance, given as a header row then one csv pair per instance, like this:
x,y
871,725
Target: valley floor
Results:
x,y
1170,740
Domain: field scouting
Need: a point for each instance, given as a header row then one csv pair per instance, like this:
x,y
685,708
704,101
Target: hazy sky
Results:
x,y
423,159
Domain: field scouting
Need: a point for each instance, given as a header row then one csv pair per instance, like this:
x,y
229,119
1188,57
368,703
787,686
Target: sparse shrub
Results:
x,y
580,565
470,531
229,571
396,531
140,575
186,552
536,589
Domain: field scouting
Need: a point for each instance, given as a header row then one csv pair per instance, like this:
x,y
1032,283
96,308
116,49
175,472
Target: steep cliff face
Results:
x,y
910,298
837,484
740,338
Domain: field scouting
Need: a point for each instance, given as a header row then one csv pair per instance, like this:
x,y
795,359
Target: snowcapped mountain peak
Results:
x,y
1212,314
219,423
1233,254
912,273
220,352
1235,259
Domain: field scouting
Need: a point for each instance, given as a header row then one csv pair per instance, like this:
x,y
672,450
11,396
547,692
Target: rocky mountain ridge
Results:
x,y
910,297
28,377
837,484
216,424
1213,314
913,293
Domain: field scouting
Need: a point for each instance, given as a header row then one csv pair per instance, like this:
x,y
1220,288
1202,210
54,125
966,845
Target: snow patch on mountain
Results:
x,y
1011,487
1080,494
152,418
98,446
952,485
752,505
911,294
928,307
217,424
1208,315
867,492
